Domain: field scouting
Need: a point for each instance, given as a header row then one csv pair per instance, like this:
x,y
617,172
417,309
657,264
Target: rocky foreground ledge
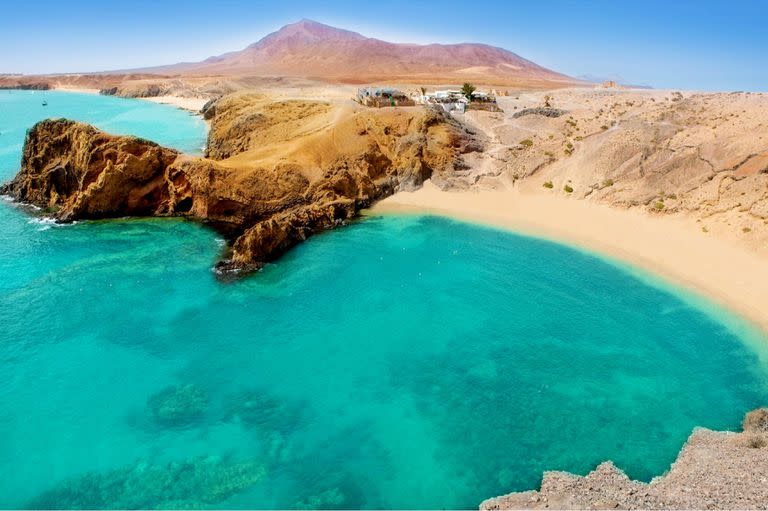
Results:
x,y
263,206
715,470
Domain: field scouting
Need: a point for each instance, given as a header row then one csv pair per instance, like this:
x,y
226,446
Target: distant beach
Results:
x,y
185,103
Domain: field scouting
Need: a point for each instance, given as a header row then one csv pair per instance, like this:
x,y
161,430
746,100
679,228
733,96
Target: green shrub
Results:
x,y
659,205
568,189
603,127
526,143
548,184
607,182
746,229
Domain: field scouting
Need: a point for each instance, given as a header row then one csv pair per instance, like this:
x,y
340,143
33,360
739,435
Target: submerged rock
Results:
x,y
332,498
256,409
177,406
194,484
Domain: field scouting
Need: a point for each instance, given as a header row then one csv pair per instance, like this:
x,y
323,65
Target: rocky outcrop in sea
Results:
x,y
74,171
714,470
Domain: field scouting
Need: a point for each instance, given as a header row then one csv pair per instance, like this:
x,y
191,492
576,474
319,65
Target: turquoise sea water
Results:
x,y
398,362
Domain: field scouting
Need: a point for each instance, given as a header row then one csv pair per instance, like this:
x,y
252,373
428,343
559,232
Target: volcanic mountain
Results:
x,y
313,50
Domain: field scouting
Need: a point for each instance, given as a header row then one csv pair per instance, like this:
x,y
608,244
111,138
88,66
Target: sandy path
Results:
x,y
674,248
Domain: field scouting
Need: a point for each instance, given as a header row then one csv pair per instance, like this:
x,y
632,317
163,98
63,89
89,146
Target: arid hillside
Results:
x,y
313,50
664,152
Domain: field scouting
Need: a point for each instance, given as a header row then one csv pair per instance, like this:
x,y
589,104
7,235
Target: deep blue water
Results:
x,y
402,361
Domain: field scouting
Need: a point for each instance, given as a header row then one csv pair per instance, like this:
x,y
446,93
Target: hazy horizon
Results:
x,y
687,45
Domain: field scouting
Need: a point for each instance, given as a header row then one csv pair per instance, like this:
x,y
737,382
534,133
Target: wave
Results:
x,y
47,222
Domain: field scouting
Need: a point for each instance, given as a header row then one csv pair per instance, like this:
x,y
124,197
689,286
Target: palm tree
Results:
x,y
467,90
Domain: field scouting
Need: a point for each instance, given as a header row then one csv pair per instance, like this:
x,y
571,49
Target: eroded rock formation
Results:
x,y
75,171
715,470
282,171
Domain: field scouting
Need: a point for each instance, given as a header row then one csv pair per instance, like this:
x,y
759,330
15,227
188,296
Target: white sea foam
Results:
x,y
46,223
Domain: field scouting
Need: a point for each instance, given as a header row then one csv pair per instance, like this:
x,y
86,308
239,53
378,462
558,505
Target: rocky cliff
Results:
x,y
715,470
75,171
274,177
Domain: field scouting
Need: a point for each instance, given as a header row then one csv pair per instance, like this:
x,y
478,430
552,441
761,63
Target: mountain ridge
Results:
x,y
314,50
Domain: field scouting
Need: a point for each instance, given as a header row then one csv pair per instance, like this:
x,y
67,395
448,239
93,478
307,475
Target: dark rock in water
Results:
x,y
265,413
545,111
193,484
111,91
756,421
327,499
177,406
327,488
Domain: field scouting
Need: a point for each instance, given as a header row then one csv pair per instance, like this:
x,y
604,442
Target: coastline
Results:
x,y
674,248
190,104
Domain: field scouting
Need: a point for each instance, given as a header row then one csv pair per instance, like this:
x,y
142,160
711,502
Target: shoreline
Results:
x,y
720,469
673,248
189,104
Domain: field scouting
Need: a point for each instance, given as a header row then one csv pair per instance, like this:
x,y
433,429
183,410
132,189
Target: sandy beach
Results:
x,y
191,104
672,247
185,103
81,90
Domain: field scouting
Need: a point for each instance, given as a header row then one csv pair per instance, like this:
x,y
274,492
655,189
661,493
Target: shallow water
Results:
x,y
398,362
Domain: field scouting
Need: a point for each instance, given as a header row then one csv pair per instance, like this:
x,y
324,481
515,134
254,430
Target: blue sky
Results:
x,y
702,44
